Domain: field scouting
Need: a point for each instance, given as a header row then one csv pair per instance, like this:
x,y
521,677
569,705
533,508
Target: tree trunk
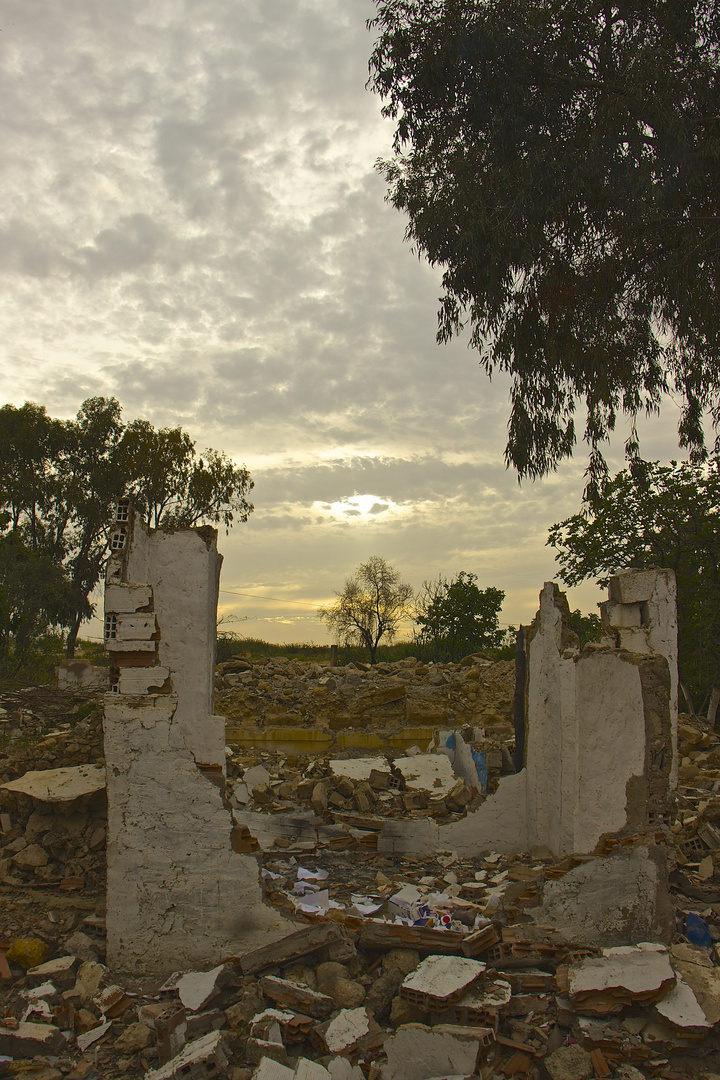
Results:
x,y
713,706
72,637
688,699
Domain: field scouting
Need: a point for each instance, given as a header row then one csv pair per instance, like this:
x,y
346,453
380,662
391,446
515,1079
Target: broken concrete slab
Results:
x,y
207,1053
427,772
310,940
59,785
440,981
344,1031
621,976
360,768
699,972
29,1039
300,998
682,1009
617,900
417,1052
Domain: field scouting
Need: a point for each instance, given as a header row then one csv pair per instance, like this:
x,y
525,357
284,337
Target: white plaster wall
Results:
x,y
183,568
551,752
662,635
610,748
656,591
178,895
500,823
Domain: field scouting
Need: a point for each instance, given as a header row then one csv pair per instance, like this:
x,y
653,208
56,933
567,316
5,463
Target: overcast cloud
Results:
x,y
191,222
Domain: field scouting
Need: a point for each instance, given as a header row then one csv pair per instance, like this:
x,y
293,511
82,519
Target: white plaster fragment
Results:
x,y
196,988
345,1030
441,977
139,680
269,1070
341,1069
89,1037
359,768
256,776
59,785
681,1008
641,970
311,1070
47,989
126,598
428,772
417,1052
193,1054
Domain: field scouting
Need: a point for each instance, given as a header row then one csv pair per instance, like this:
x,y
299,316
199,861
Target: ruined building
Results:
x,y
599,759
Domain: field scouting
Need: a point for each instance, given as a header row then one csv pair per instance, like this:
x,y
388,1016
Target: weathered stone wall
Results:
x,y
177,894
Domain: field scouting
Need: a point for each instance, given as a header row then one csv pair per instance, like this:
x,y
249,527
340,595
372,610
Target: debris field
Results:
x,y
392,968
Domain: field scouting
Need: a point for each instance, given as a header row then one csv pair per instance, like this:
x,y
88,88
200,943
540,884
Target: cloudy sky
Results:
x,y
191,221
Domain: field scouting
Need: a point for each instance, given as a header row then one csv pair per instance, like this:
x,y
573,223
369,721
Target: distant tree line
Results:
x,y
59,480
453,616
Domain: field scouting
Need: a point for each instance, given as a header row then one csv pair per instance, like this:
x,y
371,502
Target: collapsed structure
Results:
x,y
599,755
600,732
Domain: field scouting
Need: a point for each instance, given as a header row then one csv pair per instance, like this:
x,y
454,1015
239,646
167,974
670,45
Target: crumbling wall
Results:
x,y
600,733
641,615
177,894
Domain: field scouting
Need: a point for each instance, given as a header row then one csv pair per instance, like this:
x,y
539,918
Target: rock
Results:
x,y
135,1037
28,952
618,900
81,945
30,857
569,1063
382,993
320,798
402,1012
88,981
402,960
334,981
249,1004
84,1021
417,1052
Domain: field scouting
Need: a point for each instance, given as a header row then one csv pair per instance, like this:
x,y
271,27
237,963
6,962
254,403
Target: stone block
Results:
x,y
614,616
617,900
417,1052
632,586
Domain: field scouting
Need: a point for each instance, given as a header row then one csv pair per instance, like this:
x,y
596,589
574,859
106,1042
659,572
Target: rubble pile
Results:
x,y
52,799
696,830
264,691
392,969
359,790
367,1000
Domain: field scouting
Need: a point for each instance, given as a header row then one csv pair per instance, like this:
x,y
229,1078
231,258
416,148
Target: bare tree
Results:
x,y
371,606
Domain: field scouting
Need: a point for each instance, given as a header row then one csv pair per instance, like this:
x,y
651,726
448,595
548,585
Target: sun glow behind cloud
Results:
x,y
362,508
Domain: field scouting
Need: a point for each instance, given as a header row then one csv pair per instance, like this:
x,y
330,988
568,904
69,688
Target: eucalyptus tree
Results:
x,y
560,161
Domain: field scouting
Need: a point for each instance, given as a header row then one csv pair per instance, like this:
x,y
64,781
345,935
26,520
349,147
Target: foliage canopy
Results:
x,y
58,483
371,606
658,515
560,160
456,617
